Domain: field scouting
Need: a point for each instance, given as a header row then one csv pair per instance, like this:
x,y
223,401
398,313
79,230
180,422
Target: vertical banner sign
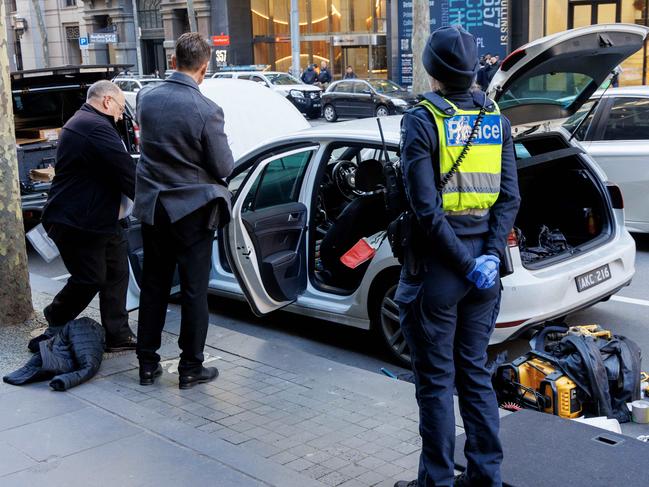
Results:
x,y
487,20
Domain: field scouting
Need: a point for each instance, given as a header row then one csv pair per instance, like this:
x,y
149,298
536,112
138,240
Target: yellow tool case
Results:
x,y
532,382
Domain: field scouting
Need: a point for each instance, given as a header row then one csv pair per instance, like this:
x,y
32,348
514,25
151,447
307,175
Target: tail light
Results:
x,y
136,132
512,239
616,196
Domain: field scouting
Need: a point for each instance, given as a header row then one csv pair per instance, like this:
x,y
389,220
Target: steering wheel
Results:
x,y
344,175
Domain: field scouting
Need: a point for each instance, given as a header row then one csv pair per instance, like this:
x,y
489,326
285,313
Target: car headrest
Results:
x,y
369,176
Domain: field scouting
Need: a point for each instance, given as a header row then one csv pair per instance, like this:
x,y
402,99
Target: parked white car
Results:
x,y
298,202
306,98
130,85
616,135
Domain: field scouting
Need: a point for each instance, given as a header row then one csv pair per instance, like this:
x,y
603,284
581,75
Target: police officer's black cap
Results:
x,y
451,57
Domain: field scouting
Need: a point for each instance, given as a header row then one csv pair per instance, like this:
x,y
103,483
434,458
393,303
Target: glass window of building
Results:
x,y
338,32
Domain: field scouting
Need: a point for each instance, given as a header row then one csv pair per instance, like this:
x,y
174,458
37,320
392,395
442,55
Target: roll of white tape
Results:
x,y
640,411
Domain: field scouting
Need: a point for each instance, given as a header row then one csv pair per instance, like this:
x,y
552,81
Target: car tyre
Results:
x,y
385,322
330,114
382,111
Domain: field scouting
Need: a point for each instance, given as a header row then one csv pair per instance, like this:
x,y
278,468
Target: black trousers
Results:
x,y
97,264
186,243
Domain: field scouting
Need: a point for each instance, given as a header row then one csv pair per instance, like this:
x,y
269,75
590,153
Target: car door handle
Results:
x,y
293,217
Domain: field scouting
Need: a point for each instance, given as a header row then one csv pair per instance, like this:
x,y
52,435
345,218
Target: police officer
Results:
x,y
449,299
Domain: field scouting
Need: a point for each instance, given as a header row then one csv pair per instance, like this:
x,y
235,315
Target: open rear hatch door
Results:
x,y
552,77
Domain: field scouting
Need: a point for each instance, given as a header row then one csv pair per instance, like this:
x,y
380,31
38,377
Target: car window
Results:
x,y
282,79
385,86
222,76
361,87
345,87
571,123
551,88
279,182
628,120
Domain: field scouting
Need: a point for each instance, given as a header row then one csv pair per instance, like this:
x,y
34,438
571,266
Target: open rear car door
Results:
x,y
266,240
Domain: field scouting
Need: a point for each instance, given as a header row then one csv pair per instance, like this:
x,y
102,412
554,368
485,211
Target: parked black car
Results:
x,y
357,98
43,101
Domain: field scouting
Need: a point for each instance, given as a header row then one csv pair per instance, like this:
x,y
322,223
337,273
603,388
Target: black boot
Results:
x,y
406,483
207,374
122,345
148,374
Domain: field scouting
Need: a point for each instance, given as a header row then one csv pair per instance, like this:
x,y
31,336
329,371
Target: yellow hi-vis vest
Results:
x,y
474,188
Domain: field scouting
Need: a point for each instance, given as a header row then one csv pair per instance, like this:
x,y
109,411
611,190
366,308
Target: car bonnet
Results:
x,y
253,113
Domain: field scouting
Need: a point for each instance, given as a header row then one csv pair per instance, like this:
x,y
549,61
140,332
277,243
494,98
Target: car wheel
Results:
x,y
386,317
330,114
382,111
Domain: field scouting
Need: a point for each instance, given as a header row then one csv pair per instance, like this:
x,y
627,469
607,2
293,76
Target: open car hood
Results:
x,y
554,76
253,113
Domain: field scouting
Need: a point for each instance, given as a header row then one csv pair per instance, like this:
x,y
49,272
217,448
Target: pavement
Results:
x,y
276,416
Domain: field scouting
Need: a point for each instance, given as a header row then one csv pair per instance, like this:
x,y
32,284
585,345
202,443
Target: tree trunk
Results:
x,y
420,34
15,293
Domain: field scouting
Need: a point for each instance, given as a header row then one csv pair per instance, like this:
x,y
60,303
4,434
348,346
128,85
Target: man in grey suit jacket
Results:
x,y
180,197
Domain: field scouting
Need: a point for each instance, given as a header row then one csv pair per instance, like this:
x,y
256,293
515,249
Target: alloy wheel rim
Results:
x,y
329,113
391,327
381,112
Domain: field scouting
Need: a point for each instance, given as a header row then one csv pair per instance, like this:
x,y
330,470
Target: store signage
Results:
x,y
103,38
221,41
221,57
487,20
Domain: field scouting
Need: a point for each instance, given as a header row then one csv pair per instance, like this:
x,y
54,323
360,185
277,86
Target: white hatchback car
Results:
x,y
131,85
301,200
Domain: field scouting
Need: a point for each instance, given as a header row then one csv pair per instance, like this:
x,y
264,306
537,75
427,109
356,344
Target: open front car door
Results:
x,y
266,240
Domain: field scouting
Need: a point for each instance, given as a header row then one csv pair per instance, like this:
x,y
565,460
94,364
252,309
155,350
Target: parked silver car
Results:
x,y
299,204
616,134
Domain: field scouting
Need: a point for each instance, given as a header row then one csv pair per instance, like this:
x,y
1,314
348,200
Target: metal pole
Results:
x,y
192,16
295,37
138,47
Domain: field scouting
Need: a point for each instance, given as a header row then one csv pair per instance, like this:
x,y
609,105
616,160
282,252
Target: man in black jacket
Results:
x,y
93,173
181,197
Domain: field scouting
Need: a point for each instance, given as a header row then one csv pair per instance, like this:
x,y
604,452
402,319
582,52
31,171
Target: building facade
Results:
x,y
44,33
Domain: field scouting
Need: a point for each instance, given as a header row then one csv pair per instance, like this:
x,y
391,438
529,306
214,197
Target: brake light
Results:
x,y
136,131
616,196
512,239
512,59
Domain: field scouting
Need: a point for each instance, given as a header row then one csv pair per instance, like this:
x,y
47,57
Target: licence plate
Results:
x,y
593,278
316,105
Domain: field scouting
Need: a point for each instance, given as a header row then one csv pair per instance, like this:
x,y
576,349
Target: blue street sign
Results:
x,y
83,42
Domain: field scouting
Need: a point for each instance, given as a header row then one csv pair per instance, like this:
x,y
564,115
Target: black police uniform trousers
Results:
x,y
186,244
97,263
447,323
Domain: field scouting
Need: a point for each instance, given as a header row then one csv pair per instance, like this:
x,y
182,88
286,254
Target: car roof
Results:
x,y
362,129
623,91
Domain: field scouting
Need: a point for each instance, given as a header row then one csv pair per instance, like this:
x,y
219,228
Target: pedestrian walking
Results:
x,y
349,73
460,177
93,173
181,198
309,76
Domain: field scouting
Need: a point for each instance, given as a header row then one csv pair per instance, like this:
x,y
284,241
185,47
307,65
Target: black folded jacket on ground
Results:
x,y
69,358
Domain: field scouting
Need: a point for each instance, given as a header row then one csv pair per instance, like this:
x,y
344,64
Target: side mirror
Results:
x,y
366,91
263,83
135,90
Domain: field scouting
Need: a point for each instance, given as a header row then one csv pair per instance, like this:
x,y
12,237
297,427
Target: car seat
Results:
x,y
362,217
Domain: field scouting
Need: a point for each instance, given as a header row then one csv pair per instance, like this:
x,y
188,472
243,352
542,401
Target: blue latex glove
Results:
x,y
485,271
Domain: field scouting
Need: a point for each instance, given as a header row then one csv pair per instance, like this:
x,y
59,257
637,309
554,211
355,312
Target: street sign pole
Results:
x,y
192,16
138,47
295,38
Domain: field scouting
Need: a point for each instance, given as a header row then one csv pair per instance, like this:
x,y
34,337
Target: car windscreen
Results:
x,y
151,82
555,88
282,79
384,86
46,109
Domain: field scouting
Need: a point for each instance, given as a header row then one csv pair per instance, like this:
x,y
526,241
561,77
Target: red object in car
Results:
x,y
359,253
